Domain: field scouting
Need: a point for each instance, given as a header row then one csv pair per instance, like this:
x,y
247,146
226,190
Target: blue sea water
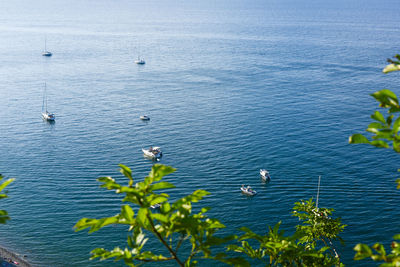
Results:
x,y
230,86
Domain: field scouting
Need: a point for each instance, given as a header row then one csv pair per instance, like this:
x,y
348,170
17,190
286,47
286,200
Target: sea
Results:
x,y
231,87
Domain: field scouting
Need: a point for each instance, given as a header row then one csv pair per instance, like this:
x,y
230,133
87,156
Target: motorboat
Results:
x,y
156,206
265,175
144,118
153,152
247,190
45,114
140,61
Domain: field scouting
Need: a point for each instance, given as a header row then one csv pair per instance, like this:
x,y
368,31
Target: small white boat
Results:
x,y
265,175
45,114
248,190
153,152
45,52
48,116
140,61
156,206
144,118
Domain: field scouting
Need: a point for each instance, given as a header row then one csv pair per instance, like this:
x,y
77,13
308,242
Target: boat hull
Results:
x,y
151,155
48,117
248,193
265,175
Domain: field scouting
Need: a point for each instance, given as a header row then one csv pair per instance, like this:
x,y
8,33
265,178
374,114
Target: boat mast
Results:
x,y
319,182
45,97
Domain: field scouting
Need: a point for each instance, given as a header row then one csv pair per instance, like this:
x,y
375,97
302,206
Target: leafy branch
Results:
x,y
300,249
4,214
385,132
173,219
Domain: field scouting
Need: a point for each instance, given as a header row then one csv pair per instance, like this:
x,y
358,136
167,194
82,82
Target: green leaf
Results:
x,y
127,213
142,218
199,194
376,125
161,185
126,171
378,117
396,125
363,251
130,242
214,223
95,224
184,203
140,238
6,183
386,98
160,217
358,139
3,212
390,68
384,134
155,199
396,145
109,183
389,120
380,143
236,261
158,171
379,248
165,208
398,183
394,109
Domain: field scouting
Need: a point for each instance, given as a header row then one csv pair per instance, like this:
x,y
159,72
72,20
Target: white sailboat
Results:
x,y
45,52
140,61
45,114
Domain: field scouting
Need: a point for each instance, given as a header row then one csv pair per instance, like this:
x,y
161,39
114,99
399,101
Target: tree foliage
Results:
x,y
317,225
299,249
3,214
175,225
385,134
384,129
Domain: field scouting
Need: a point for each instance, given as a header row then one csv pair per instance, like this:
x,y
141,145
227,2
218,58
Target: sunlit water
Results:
x,y
230,86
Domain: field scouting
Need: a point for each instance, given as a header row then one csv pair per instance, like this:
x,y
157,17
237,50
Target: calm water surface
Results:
x,y
230,86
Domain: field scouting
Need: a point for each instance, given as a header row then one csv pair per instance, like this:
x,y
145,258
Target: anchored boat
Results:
x,y
248,190
265,175
45,114
153,152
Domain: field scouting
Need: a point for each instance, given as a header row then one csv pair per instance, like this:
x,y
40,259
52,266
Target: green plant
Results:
x,y
300,249
3,214
175,223
172,225
385,134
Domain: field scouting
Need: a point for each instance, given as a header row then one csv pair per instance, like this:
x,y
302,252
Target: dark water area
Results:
x,y
230,86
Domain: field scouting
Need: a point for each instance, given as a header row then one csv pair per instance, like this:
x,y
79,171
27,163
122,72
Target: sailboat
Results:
x,y
140,61
45,114
45,52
